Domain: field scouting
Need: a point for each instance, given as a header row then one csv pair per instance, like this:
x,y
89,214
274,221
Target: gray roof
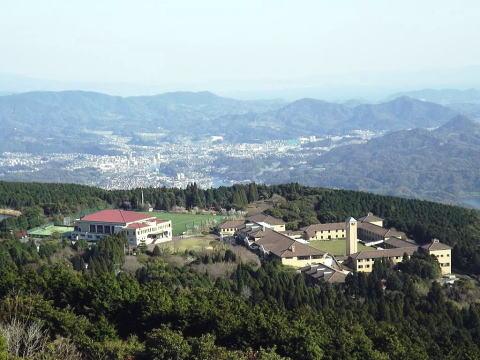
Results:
x,y
436,245
387,253
324,272
229,224
370,217
379,230
399,243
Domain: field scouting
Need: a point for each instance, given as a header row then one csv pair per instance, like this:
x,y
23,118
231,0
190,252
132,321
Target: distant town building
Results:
x,y
137,227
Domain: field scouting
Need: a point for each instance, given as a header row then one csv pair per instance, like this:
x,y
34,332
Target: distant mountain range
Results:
x,y
466,102
442,164
64,121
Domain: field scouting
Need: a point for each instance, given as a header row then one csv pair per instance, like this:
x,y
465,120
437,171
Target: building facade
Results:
x,y
328,231
138,228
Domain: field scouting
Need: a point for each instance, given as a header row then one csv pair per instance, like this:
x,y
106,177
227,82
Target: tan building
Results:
x,y
328,231
363,261
268,221
229,227
442,252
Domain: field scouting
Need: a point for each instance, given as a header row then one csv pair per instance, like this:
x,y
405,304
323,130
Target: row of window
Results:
x,y
306,257
101,229
367,266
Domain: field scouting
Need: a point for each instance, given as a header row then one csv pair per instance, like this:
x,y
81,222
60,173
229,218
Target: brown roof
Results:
x,y
283,246
436,245
378,254
231,224
399,243
267,219
381,230
311,229
369,218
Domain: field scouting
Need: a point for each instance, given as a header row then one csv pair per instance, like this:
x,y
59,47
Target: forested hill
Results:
x,y
167,307
422,220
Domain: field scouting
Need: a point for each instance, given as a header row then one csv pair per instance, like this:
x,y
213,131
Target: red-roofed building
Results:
x,y
139,228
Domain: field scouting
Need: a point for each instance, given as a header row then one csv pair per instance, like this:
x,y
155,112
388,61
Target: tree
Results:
x,y
166,344
156,251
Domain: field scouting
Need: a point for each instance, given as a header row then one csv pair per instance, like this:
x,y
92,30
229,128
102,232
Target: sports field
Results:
x,y
192,223
336,247
49,230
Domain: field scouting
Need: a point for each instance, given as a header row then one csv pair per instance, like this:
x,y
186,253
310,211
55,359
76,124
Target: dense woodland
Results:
x,y
165,311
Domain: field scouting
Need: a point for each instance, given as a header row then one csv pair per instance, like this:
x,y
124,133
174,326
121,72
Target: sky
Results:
x,y
241,46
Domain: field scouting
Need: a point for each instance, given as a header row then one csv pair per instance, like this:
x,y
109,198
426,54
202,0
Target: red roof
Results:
x,y
116,216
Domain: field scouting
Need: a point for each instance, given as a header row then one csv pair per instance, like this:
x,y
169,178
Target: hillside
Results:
x,y
317,117
439,164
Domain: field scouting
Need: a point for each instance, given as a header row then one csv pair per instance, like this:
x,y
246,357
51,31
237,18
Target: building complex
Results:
x,y
138,228
267,235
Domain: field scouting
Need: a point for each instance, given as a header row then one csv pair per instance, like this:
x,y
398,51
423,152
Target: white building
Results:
x,y
137,227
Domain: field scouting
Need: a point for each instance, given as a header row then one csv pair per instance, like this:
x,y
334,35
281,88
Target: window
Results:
x,y
360,266
100,229
367,266
93,228
303,257
107,229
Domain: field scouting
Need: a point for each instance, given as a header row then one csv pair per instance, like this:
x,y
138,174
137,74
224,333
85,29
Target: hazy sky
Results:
x,y
228,45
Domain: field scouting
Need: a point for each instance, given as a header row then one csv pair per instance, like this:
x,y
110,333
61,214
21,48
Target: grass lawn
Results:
x,y
48,230
183,222
197,243
336,247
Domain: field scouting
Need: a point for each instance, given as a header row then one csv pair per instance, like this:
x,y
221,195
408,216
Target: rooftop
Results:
x,y
377,254
283,246
436,245
231,224
116,216
311,229
267,219
369,218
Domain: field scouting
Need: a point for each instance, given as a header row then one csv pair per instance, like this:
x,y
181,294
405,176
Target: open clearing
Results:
x,y
196,243
336,247
183,223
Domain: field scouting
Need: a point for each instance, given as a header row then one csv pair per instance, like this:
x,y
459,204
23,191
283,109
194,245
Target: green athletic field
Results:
x,y
189,222
336,247
49,230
